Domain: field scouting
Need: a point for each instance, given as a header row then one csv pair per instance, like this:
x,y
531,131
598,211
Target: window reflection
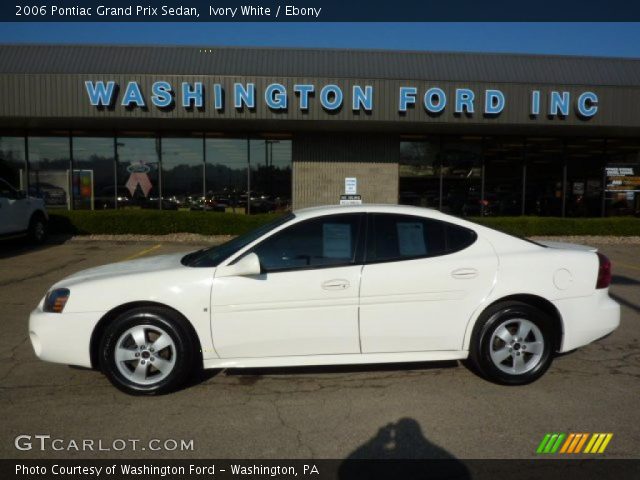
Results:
x,y
461,176
622,177
419,172
182,171
138,175
545,161
12,161
226,175
49,170
270,175
93,173
503,176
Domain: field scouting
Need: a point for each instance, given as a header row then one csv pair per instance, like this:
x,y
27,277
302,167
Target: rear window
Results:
x,y
402,237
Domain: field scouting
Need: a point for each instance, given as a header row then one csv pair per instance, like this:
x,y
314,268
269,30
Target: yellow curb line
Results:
x,y
143,252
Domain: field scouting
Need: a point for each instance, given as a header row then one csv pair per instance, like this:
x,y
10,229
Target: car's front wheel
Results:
x,y
37,229
147,351
513,343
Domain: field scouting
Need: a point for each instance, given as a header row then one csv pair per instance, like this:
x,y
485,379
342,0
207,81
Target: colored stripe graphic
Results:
x,y
551,443
573,443
598,442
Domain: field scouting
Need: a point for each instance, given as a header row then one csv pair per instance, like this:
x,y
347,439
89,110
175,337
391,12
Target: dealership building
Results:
x,y
262,129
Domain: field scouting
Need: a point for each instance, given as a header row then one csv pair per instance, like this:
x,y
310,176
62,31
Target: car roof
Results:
x,y
368,207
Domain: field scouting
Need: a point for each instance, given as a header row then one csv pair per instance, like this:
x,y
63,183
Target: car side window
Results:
x,y
7,191
403,237
328,241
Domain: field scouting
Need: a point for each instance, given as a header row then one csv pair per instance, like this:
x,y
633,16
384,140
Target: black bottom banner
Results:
x,y
450,469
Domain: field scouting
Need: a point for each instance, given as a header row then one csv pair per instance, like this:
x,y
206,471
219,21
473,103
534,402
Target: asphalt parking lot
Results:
x,y
393,411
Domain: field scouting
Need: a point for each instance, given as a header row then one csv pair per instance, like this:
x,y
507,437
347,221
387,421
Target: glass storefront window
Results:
x,y
270,175
49,170
94,176
12,165
622,177
419,173
183,171
544,159
585,164
226,175
462,175
138,172
502,176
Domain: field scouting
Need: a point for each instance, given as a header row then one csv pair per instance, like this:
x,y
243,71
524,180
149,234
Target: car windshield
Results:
x,y
213,256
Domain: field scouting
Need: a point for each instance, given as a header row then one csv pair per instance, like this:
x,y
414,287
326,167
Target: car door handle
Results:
x,y
464,273
337,284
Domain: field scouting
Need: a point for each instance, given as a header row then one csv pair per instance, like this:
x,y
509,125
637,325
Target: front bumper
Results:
x,y
587,319
63,337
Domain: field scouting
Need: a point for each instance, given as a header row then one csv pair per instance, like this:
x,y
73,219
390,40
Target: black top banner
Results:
x,y
320,11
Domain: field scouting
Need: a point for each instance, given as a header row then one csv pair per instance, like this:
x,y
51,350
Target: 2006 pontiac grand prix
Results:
x,y
327,286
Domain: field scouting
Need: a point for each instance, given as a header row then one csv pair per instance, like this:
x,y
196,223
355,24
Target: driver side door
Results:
x,y
305,300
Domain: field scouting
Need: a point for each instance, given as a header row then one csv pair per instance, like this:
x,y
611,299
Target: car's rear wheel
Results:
x,y
512,343
37,229
147,351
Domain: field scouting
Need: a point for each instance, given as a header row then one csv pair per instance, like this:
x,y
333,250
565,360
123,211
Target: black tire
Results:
x,y
155,321
37,232
510,315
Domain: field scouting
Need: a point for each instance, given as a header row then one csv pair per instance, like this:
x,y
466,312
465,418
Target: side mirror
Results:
x,y
247,265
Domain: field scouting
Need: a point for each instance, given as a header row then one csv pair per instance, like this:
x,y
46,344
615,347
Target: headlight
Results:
x,y
55,300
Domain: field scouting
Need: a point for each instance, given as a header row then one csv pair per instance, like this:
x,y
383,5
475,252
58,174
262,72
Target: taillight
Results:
x,y
604,272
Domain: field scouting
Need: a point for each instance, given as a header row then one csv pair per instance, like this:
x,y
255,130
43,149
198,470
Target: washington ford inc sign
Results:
x,y
434,100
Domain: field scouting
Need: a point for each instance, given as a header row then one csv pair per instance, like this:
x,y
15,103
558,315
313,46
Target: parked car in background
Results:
x,y
51,194
332,285
21,214
106,198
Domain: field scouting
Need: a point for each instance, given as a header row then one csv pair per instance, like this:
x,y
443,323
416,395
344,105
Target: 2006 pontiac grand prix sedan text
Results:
x,y
332,285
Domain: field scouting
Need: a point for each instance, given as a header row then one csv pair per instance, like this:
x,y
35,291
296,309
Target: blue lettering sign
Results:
x,y
276,96
588,104
192,96
493,102
362,98
464,100
407,97
559,103
304,91
161,97
246,96
132,94
331,97
99,95
218,97
535,102
435,100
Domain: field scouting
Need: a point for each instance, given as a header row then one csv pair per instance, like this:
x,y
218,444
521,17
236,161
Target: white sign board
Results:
x,y
350,185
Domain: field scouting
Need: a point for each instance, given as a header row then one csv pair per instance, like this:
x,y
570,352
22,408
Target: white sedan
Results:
x,y
327,286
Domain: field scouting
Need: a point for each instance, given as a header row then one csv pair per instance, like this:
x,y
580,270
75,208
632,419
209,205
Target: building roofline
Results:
x,y
469,53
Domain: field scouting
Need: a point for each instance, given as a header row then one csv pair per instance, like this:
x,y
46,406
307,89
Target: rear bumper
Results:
x,y
62,337
586,319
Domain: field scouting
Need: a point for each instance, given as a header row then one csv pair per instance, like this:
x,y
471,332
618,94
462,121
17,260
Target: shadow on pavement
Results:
x,y
252,375
625,303
401,440
15,247
624,280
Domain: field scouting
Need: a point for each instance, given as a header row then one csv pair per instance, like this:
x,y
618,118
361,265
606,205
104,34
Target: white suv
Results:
x,y
21,214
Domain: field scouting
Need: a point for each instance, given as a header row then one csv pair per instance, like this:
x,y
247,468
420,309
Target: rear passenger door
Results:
x,y
421,282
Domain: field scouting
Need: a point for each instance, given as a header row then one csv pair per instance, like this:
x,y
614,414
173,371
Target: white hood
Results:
x,y
131,267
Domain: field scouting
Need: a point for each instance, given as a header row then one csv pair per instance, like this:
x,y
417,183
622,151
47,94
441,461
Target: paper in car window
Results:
x,y
411,239
336,240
